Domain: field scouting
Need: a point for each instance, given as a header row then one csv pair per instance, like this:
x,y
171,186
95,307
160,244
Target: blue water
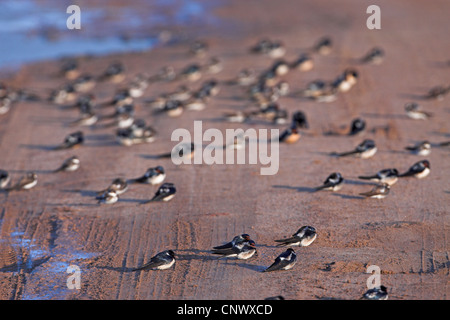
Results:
x,y
32,30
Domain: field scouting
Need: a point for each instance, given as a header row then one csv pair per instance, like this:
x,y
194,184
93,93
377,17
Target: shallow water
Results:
x,y
33,30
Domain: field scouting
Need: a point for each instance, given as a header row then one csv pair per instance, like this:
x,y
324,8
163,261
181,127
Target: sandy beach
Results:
x,y
58,223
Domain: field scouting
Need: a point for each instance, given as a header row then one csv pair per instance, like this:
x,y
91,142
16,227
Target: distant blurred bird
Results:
x,y
422,148
378,192
115,73
152,176
26,182
109,197
118,185
72,140
69,165
437,92
364,150
389,176
414,111
374,56
323,46
5,178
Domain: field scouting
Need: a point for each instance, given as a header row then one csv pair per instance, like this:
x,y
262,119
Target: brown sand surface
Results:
x,y
58,223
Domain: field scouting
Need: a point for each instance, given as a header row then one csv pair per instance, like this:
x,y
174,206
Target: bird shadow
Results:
x,y
384,116
35,171
346,196
358,182
412,96
83,193
38,147
253,267
299,189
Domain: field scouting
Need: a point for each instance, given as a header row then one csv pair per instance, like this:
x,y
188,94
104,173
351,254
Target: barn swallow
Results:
x,y
243,251
303,237
413,110
364,150
357,126
237,144
299,120
210,88
238,117
334,182
378,192
162,261
72,140
166,73
84,83
115,73
138,86
69,165
303,63
165,193
236,240
198,48
64,94
118,185
192,72
109,197
419,170
388,176
290,135
374,56
184,150
273,49
213,66
437,92
87,118
377,293
197,102
318,89
152,176
5,105
323,46
5,178
280,67
422,148
173,108
245,77
26,182
281,116
70,69
121,97
346,80
284,261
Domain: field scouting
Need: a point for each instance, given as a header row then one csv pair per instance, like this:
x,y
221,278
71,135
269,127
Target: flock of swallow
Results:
x,y
264,90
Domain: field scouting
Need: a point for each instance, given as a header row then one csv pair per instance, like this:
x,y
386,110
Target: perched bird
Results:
x,y
437,92
245,77
131,136
70,164
303,237
299,120
236,240
419,170
5,178
64,94
162,261
70,69
388,176
243,251
374,56
273,49
165,193
303,63
27,182
414,111
323,46
345,81
166,73
378,192
357,126
284,261
5,105
334,182
138,85
364,150
377,293
152,176
422,148
320,91
280,67
290,135
192,72
198,48
118,185
87,118
72,140
84,83
109,197
115,73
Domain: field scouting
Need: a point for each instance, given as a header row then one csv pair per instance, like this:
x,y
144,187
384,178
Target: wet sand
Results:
x,y
58,223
